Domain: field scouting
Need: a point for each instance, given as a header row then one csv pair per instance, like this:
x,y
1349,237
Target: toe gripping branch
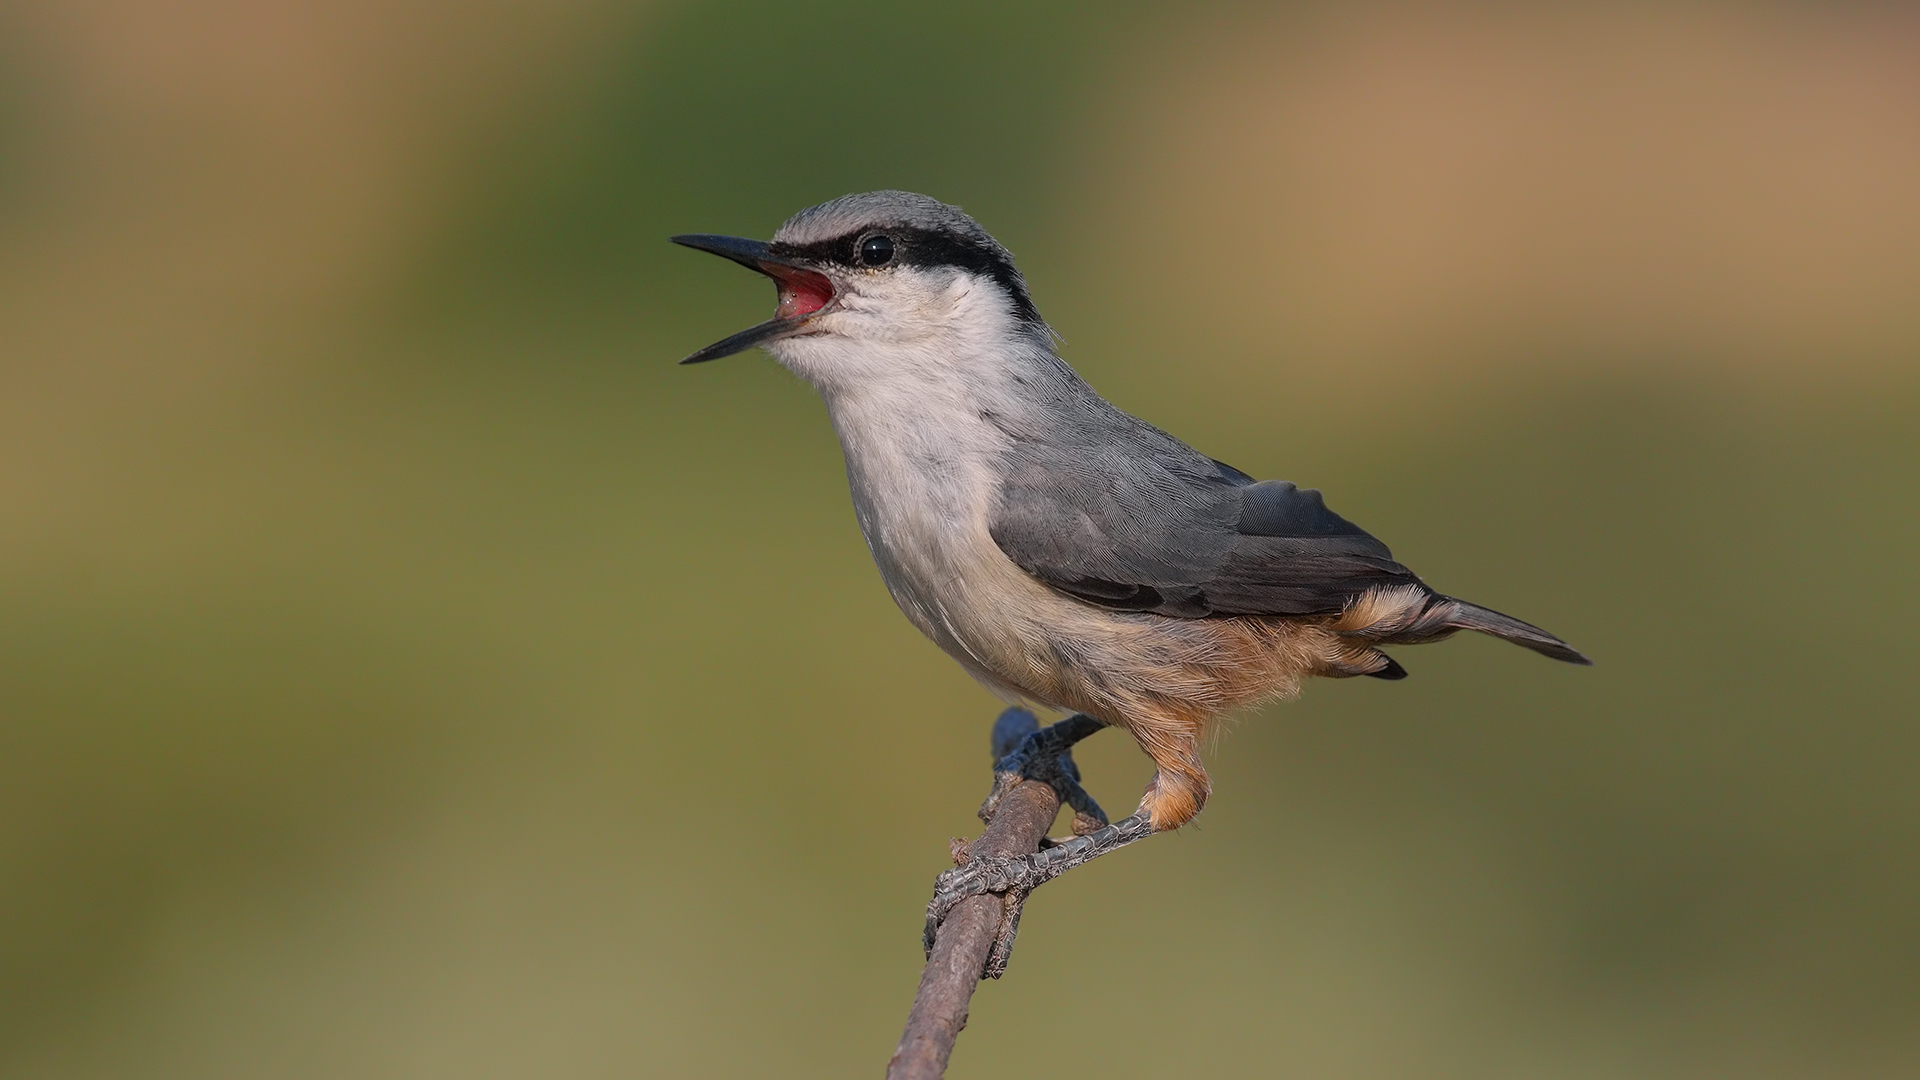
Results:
x,y
1025,751
1031,753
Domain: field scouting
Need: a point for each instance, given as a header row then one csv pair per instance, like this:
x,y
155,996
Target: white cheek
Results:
x,y
919,329
900,310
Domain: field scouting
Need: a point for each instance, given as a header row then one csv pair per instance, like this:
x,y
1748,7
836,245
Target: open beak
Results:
x,y
804,293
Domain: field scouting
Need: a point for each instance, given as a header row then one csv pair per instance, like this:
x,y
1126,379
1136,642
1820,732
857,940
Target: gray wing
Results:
x,y
1147,524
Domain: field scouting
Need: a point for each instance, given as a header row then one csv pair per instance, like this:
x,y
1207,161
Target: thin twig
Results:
x,y
966,937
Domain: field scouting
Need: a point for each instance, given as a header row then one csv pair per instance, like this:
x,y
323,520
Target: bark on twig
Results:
x,y
960,949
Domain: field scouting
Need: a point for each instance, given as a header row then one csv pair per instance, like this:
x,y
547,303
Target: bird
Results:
x,y
1066,553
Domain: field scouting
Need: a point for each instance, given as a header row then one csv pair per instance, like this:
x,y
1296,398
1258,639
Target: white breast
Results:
x,y
910,400
920,463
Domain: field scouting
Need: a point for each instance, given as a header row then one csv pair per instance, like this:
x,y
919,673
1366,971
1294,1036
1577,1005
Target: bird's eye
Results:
x,y
876,250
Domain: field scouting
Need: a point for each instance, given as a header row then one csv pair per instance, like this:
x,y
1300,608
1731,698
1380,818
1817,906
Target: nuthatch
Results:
x,y
1065,552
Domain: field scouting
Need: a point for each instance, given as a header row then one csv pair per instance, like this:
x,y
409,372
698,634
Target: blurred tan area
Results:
x,y
407,671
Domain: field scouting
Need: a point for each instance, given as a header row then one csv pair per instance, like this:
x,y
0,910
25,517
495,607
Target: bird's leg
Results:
x,y
1025,751
1045,755
1018,876
1178,791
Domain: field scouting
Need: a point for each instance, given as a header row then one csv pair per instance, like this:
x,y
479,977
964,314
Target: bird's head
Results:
x,y
870,282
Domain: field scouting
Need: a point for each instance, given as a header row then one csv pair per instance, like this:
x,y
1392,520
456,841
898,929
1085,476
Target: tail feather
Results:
x,y
1460,615
1412,615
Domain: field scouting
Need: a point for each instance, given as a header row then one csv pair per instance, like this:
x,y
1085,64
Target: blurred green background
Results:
x,y
407,671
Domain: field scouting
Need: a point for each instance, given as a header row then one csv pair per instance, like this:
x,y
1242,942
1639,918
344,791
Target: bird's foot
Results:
x,y
1013,878
1046,755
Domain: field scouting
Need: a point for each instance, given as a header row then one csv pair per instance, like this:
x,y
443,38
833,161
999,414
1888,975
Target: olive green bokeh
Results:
x,y
482,695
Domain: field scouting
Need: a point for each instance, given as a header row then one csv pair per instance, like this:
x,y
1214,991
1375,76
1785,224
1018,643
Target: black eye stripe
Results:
x,y
925,248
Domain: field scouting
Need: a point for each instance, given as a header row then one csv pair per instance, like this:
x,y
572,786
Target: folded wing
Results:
x,y
1181,535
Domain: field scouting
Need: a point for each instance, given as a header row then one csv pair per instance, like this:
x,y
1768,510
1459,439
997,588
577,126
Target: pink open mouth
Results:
x,y
802,292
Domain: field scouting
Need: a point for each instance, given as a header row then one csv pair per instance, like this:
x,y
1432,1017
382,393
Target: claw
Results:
x,y
1025,752
1009,876
1013,878
1002,950
1003,782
